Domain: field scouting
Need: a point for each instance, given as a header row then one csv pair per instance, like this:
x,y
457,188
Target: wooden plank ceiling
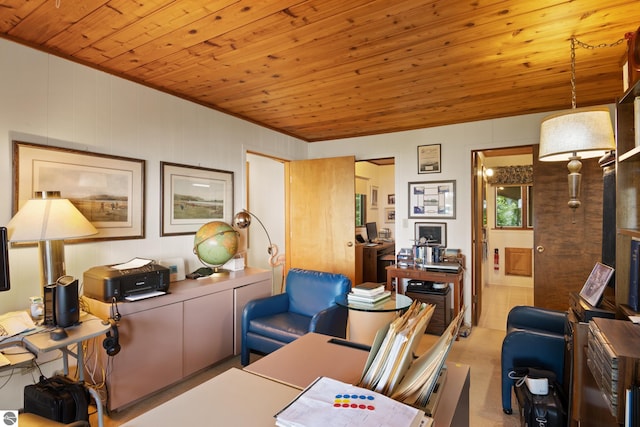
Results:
x,y
327,69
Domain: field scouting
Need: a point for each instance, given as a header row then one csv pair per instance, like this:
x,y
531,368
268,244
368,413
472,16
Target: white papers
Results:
x,y
14,323
134,263
328,402
394,352
151,294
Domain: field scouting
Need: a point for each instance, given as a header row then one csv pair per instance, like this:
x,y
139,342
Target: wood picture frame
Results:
x,y
373,197
192,196
432,233
108,190
389,215
434,199
596,282
429,159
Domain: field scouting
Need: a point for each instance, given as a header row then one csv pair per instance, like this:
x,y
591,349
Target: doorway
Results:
x,y
494,291
265,199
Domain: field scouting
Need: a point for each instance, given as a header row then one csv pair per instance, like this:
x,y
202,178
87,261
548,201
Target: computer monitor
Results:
x,y
372,231
5,285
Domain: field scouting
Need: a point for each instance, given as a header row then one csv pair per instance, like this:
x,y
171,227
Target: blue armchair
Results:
x,y
535,339
307,305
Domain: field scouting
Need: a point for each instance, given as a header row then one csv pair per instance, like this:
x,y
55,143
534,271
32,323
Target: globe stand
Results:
x,y
218,272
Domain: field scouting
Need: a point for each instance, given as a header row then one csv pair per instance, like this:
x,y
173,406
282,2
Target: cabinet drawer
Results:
x,y
442,312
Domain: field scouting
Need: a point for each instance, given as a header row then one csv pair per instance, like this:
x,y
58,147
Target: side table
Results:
x,y
457,278
365,321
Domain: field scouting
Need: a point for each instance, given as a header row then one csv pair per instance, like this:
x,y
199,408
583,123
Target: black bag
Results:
x,y
58,398
541,410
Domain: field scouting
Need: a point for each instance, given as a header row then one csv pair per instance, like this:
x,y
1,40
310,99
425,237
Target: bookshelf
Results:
x,y
627,190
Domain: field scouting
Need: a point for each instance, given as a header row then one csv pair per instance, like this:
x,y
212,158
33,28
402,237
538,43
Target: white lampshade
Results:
x,y
48,218
585,131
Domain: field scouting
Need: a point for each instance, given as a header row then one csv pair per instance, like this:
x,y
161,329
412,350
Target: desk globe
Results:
x,y
215,243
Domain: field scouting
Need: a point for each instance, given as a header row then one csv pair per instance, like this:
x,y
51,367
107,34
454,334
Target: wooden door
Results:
x,y
320,215
566,244
478,228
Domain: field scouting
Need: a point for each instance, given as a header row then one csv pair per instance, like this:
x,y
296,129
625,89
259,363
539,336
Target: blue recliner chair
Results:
x,y
307,305
535,339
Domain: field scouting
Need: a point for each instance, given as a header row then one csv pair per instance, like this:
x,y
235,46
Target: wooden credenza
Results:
x,y
165,339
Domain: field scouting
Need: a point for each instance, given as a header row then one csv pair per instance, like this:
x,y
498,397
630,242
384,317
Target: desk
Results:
x,y
312,355
90,327
372,268
434,276
233,398
364,322
251,397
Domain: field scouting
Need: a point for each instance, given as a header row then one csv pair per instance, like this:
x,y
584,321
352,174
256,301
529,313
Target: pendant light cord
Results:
x,y
574,42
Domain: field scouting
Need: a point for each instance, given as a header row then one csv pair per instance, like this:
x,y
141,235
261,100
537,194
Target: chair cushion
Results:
x,y
313,291
284,327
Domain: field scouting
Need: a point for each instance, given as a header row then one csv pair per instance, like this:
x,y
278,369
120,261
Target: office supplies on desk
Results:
x,y
14,323
331,402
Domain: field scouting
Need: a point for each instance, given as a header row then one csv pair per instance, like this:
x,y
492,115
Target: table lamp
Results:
x,y
49,219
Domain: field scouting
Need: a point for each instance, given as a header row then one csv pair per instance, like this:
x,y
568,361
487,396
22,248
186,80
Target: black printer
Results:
x,y
106,282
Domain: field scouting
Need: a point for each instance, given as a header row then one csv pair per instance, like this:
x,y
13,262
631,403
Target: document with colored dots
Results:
x,y
331,402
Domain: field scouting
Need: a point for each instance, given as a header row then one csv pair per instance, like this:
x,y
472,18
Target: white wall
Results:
x,y
52,101
266,201
457,142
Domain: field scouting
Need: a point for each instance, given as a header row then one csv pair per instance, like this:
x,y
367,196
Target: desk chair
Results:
x,y
307,305
33,420
535,339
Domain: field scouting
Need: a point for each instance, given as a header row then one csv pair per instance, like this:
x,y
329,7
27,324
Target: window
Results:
x,y
514,204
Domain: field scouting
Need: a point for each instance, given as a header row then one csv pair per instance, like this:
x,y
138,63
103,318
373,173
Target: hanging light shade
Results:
x,y
584,131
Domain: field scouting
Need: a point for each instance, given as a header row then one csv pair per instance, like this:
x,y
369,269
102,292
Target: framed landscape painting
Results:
x,y
193,196
108,190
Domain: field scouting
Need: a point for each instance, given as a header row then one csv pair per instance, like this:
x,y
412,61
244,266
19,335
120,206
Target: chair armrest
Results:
x,y
265,306
537,318
330,321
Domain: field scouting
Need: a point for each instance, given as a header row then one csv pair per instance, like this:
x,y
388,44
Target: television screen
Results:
x,y
4,260
372,231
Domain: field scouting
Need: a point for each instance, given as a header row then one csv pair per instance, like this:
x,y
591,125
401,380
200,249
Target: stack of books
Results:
x,y
368,293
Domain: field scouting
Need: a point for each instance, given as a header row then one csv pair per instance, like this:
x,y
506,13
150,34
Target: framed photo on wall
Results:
x,y
431,233
434,199
108,190
374,197
389,215
193,196
429,159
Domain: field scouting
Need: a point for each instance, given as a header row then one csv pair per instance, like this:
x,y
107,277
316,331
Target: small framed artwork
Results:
x,y
193,196
596,282
374,197
389,215
434,199
108,190
434,233
429,158
391,199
